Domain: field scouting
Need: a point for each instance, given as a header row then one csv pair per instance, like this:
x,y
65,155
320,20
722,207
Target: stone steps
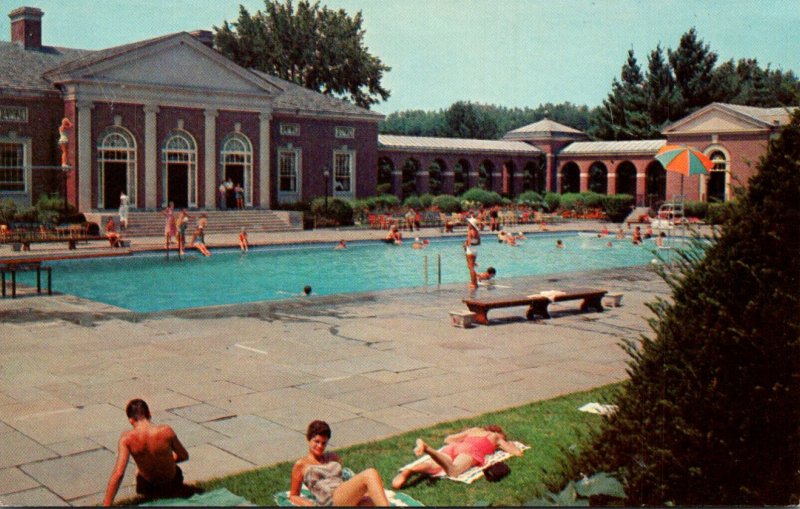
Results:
x,y
149,224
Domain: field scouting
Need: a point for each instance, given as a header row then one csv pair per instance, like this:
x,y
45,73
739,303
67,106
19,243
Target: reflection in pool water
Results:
x,y
150,282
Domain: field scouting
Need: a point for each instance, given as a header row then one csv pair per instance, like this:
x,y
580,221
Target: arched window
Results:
x,y
717,178
116,167
237,163
179,174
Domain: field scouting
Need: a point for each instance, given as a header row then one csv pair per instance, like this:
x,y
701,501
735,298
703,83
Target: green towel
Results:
x,y
220,497
396,499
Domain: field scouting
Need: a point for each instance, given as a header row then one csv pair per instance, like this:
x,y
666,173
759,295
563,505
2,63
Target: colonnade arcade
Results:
x,y
644,179
405,175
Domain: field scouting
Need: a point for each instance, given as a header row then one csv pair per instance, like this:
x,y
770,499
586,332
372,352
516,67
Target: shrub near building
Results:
x,y
711,413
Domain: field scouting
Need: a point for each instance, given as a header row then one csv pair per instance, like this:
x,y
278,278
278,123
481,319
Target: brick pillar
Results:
x,y
583,174
150,156
641,184
397,183
423,181
550,176
612,182
448,182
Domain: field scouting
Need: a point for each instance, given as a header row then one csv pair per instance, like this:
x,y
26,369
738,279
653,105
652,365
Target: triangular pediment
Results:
x,y
715,119
178,61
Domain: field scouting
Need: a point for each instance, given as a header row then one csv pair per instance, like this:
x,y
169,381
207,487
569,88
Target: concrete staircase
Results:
x,y
151,223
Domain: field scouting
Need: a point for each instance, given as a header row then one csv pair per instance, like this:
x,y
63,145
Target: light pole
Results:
x,y
327,174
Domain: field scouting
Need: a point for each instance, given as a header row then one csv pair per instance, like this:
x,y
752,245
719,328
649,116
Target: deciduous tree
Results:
x,y
316,47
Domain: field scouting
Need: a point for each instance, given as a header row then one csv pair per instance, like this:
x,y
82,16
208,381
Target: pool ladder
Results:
x,y
438,270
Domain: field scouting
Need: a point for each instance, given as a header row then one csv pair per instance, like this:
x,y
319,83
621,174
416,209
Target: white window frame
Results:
x,y
338,170
25,145
289,129
129,148
345,132
727,169
17,114
297,157
190,155
243,151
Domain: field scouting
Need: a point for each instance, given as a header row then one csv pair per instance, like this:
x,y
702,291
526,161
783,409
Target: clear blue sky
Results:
x,y
505,52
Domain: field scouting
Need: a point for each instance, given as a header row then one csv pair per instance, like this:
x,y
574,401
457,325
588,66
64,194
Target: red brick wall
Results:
x,y
317,140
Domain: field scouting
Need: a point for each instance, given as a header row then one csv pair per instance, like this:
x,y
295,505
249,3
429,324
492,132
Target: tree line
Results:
x,y
640,104
323,49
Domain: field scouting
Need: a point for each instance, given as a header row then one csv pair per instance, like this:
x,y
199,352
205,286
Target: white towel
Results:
x,y
474,473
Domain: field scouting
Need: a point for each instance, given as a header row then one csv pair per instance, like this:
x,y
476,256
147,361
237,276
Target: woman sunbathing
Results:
x,y
463,451
322,474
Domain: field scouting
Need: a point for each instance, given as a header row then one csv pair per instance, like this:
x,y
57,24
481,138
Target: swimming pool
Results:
x,y
148,282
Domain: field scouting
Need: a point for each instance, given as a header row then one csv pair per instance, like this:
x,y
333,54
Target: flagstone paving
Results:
x,y
240,383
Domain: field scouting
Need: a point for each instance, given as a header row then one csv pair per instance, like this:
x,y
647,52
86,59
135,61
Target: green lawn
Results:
x,y
549,427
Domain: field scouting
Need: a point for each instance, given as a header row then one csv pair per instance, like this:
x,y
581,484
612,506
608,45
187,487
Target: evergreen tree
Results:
x,y
318,48
693,65
662,94
624,114
711,412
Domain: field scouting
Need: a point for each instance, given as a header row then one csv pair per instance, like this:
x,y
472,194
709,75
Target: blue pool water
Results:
x,y
149,282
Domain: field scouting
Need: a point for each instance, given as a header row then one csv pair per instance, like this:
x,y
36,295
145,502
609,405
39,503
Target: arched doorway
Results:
x,y
485,171
717,178
626,179
534,177
409,183
116,167
598,178
385,169
237,165
179,174
655,184
570,178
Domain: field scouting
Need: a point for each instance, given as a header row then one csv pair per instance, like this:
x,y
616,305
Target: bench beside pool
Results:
x,y
537,303
13,268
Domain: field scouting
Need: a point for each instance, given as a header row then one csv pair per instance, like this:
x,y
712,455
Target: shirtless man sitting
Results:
x,y
156,451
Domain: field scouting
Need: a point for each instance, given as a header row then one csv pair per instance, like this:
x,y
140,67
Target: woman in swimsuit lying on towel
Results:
x,y
322,473
463,451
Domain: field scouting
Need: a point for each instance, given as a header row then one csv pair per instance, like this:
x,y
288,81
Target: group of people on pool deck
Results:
x,y
156,450
176,227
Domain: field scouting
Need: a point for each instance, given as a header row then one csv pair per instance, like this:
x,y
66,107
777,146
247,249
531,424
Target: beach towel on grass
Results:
x,y
220,497
395,499
474,473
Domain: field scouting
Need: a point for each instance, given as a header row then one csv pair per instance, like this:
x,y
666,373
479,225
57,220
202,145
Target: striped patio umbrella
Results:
x,y
684,160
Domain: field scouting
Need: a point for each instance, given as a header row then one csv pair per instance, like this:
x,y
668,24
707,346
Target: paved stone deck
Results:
x,y
233,381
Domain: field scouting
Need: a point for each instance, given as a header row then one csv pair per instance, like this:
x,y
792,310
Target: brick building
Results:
x,y
170,119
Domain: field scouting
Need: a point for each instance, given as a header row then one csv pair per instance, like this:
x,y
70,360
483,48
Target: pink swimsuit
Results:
x,y
477,447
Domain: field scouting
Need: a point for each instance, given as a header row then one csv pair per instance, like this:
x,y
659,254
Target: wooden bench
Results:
x,y
25,266
537,304
25,239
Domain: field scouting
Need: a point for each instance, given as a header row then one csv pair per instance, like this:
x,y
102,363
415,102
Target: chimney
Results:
x,y
204,36
26,27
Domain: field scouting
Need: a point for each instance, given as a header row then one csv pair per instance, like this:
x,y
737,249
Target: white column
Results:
x,y
264,187
211,158
150,156
85,156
